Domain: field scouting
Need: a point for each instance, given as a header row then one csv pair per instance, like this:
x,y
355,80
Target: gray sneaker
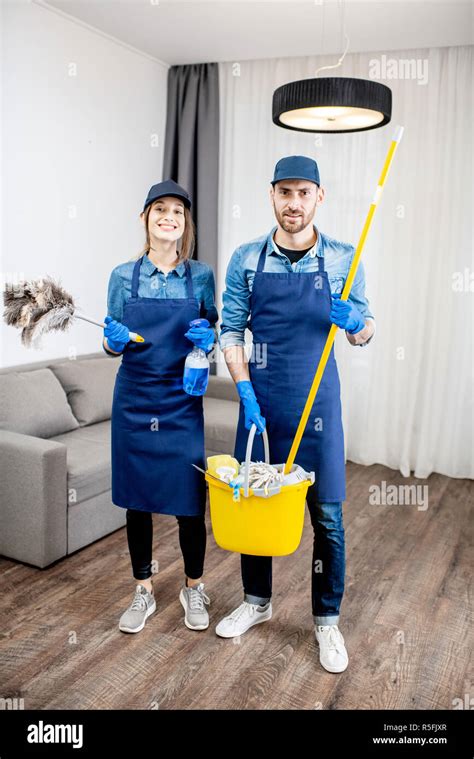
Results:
x,y
195,612
143,604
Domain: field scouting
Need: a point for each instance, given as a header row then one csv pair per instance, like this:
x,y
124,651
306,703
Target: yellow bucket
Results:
x,y
256,525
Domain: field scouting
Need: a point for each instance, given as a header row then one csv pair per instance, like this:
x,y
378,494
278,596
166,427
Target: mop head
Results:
x,y
37,307
262,475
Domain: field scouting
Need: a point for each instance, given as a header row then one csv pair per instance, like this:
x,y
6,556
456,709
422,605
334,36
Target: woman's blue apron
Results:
x,y
157,428
289,320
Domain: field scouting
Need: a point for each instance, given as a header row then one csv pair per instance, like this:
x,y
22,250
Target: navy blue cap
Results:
x,y
168,187
296,167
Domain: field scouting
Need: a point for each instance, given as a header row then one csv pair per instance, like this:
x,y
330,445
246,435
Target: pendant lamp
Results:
x,y
332,104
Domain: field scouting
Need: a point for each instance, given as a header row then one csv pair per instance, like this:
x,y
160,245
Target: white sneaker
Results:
x,y
245,616
332,651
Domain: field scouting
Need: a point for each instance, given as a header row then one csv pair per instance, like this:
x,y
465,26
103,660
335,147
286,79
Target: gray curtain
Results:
x,y
191,155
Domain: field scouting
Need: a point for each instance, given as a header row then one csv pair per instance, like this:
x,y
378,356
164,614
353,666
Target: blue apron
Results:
x,y
289,320
157,428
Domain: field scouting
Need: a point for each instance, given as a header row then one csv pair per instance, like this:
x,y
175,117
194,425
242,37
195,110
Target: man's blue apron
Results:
x,y
157,428
289,320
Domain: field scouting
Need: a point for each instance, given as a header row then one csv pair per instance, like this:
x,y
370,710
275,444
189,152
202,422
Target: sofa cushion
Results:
x,y
89,386
88,461
34,403
220,418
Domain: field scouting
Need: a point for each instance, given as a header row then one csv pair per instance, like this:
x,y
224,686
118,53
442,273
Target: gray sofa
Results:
x,y
55,475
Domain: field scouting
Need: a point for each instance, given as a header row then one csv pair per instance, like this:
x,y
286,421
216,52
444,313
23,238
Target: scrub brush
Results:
x,y
41,306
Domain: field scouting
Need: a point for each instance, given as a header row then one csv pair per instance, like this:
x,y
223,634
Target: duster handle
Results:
x,y
134,337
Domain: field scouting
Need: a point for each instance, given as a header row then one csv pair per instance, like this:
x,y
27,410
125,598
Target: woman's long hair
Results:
x,y
186,242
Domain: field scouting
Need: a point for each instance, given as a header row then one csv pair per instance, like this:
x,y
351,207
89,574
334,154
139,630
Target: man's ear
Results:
x,y
320,195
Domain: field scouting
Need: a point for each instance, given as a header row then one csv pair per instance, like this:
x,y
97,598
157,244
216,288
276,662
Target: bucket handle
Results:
x,y
248,454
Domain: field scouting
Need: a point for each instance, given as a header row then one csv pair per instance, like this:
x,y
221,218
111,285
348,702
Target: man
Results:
x,y
289,283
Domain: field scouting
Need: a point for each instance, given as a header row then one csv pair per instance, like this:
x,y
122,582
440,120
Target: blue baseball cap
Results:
x,y
296,167
168,187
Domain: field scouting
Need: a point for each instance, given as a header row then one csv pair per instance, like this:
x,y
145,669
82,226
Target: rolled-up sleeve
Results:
x,y
115,301
115,296
236,303
358,297
357,294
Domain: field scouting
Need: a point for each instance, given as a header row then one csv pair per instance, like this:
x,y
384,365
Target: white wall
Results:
x,y
77,159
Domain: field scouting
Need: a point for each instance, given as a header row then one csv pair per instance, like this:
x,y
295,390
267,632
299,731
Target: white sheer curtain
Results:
x,y
407,397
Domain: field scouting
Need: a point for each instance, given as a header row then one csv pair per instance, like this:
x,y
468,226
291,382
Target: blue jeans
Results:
x,y
328,564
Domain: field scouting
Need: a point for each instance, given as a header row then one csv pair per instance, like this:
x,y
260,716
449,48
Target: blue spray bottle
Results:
x,y
196,366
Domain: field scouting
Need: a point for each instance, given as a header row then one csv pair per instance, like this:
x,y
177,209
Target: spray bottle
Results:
x,y
196,366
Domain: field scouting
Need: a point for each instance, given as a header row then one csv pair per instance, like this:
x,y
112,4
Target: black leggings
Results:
x,y
192,539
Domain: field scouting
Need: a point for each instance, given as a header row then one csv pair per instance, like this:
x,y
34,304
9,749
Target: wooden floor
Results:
x,y
404,617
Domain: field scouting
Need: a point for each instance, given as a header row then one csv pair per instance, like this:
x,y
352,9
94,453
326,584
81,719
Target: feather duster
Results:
x,y
37,307
41,306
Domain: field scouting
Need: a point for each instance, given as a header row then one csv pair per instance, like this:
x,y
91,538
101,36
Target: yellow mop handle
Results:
x,y
345,294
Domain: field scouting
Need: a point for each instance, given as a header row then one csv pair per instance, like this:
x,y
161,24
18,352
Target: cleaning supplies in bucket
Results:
x,y
261,475
264,479
266,521
226,468
297,474
226,473
268,479
222,461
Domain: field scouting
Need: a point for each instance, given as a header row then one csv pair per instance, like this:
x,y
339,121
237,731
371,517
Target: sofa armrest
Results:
x,y
223,388
33,498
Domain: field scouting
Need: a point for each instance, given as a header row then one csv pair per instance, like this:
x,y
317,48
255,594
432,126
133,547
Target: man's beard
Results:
x,y
293,227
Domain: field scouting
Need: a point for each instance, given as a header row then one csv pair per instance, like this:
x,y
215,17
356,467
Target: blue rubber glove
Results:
x,y
117,334
202,337
346,315
251,407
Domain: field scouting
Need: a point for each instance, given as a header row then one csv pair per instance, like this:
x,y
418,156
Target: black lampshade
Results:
x,y
332,104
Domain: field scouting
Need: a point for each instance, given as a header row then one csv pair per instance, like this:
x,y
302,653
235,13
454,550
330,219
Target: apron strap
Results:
x,y
189,280
136,273
261,260
320,264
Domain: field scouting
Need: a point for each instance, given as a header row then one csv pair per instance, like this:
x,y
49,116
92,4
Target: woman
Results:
x,y
157,429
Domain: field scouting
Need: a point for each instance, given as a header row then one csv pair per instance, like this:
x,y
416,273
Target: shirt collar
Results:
x,y
149,267
316,250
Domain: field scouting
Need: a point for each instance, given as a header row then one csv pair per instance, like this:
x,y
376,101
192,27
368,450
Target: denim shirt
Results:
x,y
243,264
152,283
